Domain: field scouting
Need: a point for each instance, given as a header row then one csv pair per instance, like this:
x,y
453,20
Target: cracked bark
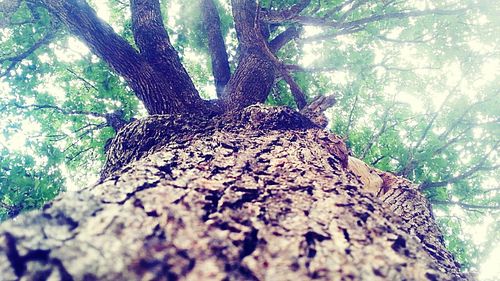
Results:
x,y
261,195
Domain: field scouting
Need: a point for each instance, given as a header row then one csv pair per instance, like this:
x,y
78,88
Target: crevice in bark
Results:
x,y
212,204
249,243
20,262
61,218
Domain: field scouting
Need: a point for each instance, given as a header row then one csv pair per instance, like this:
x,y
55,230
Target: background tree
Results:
x,y
377,56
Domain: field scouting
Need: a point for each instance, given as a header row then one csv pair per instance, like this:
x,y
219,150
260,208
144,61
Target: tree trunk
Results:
x,y
219,57
259,195
255,73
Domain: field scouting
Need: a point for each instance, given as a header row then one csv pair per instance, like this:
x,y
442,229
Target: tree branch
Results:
x,y
79,77
343,28
375,137
255,73
283,38
220,63
14,60
10,6
151,36
114,119
380,158
284,15
417,40
398,15
350,119
410,164
298,95
316,109
154,44
156,75
58,109
337,9
298,68
453,179
464,205
100,37
352,9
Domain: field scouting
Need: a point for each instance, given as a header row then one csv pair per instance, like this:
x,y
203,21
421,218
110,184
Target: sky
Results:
x,y
489,268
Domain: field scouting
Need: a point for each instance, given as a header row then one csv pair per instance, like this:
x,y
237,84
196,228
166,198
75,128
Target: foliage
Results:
x,y
417,96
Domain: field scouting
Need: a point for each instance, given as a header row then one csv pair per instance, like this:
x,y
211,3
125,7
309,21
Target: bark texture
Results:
x,y
255,73
261,195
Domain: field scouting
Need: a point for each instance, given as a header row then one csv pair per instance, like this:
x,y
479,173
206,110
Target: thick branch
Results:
x,y
147,25
161,83
315,110
220,64
154,44
255,55
283,38
100,37
298,94
255,74
152,38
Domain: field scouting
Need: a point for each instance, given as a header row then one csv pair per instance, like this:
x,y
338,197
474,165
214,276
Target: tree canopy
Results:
x,y
416,85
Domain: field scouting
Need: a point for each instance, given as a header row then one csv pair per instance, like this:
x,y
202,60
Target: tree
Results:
x,y
263,190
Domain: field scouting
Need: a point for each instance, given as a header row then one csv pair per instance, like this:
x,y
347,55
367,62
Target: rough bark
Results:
x,y
258,65
260,195
255,73
283,38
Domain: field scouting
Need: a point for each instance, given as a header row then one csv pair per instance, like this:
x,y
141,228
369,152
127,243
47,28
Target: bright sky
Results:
x,y
490,70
